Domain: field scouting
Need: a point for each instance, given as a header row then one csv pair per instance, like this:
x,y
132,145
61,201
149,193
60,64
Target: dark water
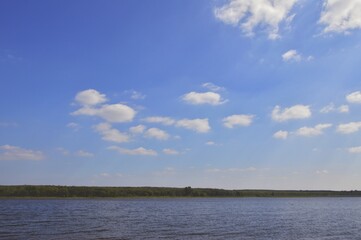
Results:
x,y
209,218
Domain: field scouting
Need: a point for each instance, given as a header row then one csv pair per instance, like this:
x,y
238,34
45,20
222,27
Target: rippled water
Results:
x,y
208,218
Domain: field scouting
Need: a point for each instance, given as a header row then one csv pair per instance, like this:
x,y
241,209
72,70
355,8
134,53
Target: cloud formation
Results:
x,y
280,134
354,97
332,108
162,120
212,87
196,98
237,120
294,112
170,151
111,134
84,154
156,133
90,97
249,14
200,125
312,131
355,149
341,16
348,128
137,129
9,152
137,151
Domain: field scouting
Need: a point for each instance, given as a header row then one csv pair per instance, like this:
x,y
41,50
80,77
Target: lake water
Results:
x,y
193,218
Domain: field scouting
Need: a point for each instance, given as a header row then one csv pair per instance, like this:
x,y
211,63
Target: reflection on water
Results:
x,y
208,218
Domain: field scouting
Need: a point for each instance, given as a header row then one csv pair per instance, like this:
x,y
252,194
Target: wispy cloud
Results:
x,y
136,151
9,152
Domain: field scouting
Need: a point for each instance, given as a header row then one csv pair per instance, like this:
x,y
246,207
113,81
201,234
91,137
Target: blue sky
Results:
x,y
230,94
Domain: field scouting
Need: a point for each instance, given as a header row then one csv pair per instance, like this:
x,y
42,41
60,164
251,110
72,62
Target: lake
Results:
x,y
182,218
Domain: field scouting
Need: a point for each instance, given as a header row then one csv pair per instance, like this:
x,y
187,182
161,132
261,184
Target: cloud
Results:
x,y
331,108
136,151
156,133
111,113
248,14
354,97
110,134
90,97
161,120
312,131
137,129
137,95
198,124
294,112
281,134
341,16
212,87
231,170
9,152
322,172
196,98
237,120
349,127
85,154
291,55
169,151
354,149
210,143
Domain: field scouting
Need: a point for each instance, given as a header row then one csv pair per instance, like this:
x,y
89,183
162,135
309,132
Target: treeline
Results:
x,y
118,192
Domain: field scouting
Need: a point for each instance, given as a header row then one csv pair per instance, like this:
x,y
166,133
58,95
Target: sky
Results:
x,y
234,94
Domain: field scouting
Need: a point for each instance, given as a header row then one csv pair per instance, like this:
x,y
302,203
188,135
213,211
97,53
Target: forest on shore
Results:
x,y
49,191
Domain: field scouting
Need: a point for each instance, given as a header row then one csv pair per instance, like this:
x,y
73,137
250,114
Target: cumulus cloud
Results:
x,y
170,151
161,120
200,125
312,131
111,113
196,98
281,134
354,97
294,112
137,129
248,14
237,120
9,152
111,134
332,108
354,149
90,97
136,151
348,128
85,154
156,133
291,55
212,87
341,16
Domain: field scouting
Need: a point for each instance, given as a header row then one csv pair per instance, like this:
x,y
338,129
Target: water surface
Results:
x,y
183,218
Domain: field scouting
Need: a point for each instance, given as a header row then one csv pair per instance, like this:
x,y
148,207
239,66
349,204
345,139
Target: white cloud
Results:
x,y
291,55
196,98
212,87
137,129
281,134
210,143
237,120
249,14
348,128
161,120
111,113
137,95
331,108
322,172
312,131
198,124
341,16
231,170
82,153
294,112
8,152
169,151
354,97
136,151
156,133
355,149
90,97
72,125
110,134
